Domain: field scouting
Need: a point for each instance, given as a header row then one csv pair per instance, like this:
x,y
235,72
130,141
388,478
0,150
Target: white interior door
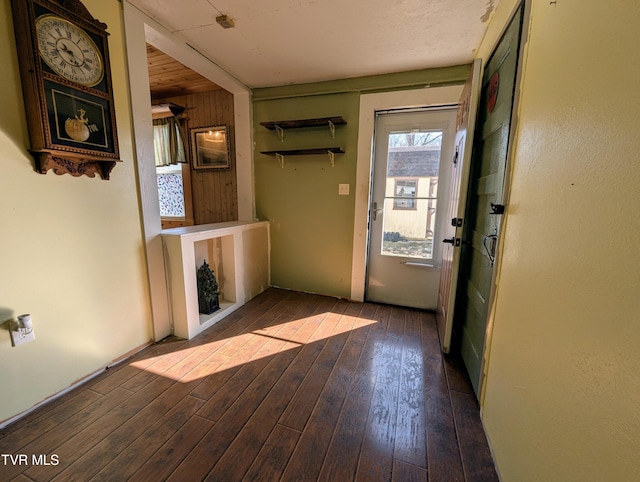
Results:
x,y
452,233
410,193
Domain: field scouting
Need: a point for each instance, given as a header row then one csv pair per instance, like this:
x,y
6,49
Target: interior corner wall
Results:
x,y
72,252
562,389
311,225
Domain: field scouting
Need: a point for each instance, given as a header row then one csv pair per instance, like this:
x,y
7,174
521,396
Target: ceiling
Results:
x,y
280,42
169,78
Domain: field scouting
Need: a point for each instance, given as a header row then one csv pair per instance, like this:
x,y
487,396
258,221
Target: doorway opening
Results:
x,y
139,31
410,179
183,100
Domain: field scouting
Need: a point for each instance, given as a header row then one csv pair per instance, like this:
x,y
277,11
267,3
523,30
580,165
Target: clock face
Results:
x,y
68,50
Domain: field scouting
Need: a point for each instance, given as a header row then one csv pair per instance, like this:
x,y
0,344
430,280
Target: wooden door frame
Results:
x,y
511,144
369,104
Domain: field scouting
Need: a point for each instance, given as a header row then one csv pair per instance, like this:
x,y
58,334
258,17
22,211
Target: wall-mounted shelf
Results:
x,y
280,154
281,126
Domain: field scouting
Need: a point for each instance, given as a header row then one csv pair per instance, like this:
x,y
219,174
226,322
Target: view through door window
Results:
x,y
411,193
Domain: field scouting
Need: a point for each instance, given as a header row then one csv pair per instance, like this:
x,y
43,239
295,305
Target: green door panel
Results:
x,y
486,187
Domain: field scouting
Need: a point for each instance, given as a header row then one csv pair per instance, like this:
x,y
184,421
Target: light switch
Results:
x,y
343,189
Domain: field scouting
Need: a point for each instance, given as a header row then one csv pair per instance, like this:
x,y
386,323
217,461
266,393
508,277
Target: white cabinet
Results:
x,y
238,253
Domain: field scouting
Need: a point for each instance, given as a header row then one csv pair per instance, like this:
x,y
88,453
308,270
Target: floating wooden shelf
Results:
x,y
281,153
281,126
305,152
296,124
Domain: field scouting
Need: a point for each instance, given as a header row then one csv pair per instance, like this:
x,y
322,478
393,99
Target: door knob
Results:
x,y
449,240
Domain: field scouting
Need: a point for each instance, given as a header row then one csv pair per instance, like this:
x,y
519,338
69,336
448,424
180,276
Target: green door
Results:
x,y
485,198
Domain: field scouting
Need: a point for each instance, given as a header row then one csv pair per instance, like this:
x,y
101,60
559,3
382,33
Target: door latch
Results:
x,y
456,222
375,211
452,241
497,209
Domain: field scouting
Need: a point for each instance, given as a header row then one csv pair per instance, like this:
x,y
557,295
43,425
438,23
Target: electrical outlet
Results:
x,y
343,189
21,335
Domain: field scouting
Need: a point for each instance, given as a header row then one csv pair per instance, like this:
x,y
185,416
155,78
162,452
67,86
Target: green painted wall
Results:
x,y
311,225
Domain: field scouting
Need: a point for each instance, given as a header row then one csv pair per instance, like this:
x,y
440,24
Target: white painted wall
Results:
x,y
563,383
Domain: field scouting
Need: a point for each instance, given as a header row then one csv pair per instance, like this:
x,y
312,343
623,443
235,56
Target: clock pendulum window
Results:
x,y
63,53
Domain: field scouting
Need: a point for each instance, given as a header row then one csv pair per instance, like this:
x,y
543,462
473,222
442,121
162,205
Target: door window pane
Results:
x,y
411,193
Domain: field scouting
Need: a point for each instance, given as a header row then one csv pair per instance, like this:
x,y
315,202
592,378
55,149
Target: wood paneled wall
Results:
x,y
214,192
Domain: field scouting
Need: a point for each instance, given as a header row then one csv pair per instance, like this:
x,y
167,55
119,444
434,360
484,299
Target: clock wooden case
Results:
x,y
66,84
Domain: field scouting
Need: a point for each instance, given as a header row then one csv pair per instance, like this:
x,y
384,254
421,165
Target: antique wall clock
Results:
x,y
66,84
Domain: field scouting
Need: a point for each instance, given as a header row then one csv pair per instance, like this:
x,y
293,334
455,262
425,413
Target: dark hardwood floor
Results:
x,y
291,387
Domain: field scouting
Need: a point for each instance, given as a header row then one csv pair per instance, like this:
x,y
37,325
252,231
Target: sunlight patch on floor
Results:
x,y
215,357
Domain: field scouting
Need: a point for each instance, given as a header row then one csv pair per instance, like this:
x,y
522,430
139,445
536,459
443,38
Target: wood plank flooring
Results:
x,y
291,387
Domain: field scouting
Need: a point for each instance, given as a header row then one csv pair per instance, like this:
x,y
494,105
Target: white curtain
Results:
x,y
168,144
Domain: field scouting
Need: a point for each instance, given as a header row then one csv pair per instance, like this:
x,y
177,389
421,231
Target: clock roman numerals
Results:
x,y
68,50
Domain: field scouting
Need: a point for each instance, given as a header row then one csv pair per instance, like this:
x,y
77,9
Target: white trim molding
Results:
x,y
369,105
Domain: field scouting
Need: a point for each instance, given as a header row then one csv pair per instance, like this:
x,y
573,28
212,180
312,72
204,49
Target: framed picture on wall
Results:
x,y
210,147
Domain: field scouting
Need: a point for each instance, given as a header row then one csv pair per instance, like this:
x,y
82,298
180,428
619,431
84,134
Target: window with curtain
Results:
x,y
168,145
170,156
